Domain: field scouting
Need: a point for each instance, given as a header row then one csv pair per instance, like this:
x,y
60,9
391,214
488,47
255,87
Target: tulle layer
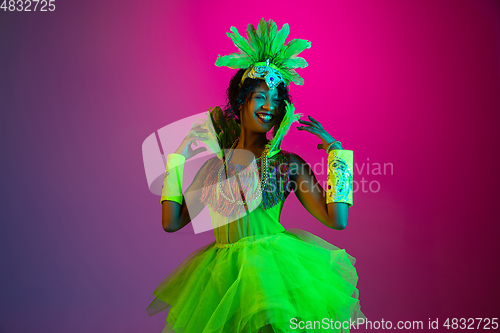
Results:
x,y
260,284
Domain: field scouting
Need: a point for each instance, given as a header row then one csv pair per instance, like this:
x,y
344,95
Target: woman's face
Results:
x,y
260,112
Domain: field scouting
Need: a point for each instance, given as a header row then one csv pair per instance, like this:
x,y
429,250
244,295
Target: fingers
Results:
x,y
308,129
306,122
313,126
199,150
195,133
314,120
194,138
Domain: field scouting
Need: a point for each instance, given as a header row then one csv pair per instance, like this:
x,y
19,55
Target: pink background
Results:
x,y
412,83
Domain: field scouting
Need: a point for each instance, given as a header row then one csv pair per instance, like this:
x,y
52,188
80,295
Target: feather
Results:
x,y
295,46
262,28
266,42
295,62
272,37
270,25
227,130
279,40
296,77
298,80
240,42
289,118
234,60
272,31
262,35
287,76
254,42
204,128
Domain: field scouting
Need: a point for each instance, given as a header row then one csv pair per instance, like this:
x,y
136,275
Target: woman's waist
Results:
x,y
246,240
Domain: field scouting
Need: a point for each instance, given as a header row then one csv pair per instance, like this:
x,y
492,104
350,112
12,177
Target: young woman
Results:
x,y
257,277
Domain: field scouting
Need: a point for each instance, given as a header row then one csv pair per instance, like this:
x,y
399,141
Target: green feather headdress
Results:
x,y
264,44
266,56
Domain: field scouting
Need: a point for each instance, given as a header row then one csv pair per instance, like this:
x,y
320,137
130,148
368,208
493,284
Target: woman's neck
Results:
x,y
252,141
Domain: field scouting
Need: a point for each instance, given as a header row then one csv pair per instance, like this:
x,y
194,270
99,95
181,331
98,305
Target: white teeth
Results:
x,y
265,118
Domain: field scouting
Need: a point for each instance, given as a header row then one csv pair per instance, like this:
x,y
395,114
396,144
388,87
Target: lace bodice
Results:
x,y
261,214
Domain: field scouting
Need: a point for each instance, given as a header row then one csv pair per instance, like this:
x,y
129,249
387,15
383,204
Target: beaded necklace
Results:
x,y
264,178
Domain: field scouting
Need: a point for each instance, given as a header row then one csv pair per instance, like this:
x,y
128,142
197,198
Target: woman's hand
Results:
x,y
317,129
185,148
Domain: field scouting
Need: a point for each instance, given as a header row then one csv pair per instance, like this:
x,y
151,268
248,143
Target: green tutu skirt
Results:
x,y
292,281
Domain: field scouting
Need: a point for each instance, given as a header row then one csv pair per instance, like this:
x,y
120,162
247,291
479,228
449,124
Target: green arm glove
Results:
x,y
339,180
172,182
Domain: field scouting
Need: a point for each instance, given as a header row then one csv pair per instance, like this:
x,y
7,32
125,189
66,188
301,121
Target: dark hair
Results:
x,y
238,95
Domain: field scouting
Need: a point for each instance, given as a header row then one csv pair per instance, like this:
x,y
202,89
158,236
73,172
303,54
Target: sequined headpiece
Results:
x,y
265,55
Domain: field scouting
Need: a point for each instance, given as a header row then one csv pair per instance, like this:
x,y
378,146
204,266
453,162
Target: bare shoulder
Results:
x,y
210,167
296,159
212,160
210,164
297,165
204,173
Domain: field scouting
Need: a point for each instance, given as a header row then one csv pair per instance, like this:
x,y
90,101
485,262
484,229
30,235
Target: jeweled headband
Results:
x,y
265,55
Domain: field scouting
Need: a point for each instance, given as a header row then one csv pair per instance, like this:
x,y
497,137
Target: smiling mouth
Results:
x,y
265,118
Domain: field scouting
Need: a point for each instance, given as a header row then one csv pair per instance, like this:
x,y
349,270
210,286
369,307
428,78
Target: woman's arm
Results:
x,y
176,216
313,197
308,190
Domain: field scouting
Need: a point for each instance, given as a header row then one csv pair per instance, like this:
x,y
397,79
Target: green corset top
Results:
x,y
256,222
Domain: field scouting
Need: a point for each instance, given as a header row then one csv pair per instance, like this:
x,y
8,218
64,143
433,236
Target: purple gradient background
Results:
x,y
412,83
